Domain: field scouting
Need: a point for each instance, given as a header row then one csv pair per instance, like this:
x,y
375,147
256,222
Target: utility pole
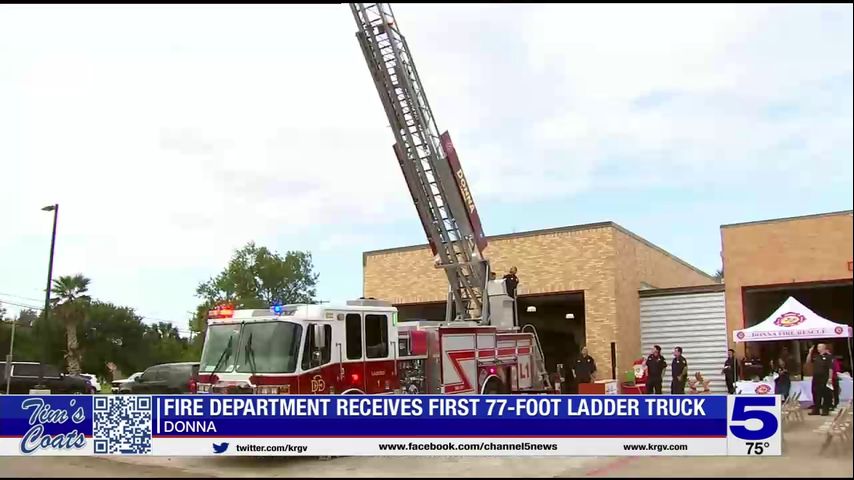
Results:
x,y
9,357
55,209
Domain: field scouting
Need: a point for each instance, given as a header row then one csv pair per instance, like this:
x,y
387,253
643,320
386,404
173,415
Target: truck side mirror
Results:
x,y
319,335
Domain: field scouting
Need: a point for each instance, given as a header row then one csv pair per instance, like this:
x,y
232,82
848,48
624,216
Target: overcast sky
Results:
x,y
172,135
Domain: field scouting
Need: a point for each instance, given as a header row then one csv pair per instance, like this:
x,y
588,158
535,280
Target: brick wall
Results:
x,y
549,262
627,284
804,249
639,261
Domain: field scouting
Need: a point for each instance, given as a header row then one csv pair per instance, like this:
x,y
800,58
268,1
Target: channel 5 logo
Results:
x,y
755,408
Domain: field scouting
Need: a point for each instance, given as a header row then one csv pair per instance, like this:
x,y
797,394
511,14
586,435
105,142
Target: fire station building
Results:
x,y
808,258
578,285
602,286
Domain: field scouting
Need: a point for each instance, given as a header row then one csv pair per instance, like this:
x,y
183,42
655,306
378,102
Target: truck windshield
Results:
x,y
216,343
274,347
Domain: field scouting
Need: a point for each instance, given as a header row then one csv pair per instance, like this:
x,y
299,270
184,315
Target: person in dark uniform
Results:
x,y
821,374
730,371
567,379
783,383
679,370
511,281
655,365
585,367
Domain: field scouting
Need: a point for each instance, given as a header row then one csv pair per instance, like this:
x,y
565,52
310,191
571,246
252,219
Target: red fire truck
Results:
x,y
360,347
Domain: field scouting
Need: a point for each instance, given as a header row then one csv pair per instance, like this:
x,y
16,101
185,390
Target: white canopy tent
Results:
x,y
792,321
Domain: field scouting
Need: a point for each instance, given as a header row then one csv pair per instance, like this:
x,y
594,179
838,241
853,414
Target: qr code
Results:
x,y
122,425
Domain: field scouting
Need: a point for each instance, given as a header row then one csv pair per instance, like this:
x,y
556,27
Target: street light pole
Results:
x,y
9,357
55,209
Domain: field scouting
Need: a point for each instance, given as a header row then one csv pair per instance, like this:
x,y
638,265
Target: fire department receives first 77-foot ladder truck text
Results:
x,y
360,348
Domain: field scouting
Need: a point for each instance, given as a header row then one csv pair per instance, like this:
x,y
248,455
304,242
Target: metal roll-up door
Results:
x,y
694,321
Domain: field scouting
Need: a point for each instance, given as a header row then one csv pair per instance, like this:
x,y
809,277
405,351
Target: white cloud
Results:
x,y
688,89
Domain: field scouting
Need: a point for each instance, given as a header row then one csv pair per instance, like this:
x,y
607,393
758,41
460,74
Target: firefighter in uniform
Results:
x,y
729,371
585,367
655,366
512,281
821,375
679,370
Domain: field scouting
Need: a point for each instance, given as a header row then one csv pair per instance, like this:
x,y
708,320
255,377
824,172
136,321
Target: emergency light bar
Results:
x,y
223,311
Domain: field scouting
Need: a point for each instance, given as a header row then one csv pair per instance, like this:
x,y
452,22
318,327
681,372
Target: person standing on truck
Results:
x,y
655,365
511,281
585,367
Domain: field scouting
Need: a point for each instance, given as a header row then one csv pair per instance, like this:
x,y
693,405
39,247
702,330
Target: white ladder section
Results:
x,y
539,358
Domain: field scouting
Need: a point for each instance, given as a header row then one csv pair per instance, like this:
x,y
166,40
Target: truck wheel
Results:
x,y
493,387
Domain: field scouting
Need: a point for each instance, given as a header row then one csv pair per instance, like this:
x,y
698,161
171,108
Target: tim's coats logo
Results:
x,y
790,319
42,414
762,389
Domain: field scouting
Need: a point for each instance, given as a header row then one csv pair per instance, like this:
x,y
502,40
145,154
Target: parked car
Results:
x,y
166,378
93,381
25,376
122,386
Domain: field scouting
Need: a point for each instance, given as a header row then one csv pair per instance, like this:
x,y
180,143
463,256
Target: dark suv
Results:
x,y
25,376
166,378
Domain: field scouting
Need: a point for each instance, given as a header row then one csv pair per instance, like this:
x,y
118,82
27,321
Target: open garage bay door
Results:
x,y
692,318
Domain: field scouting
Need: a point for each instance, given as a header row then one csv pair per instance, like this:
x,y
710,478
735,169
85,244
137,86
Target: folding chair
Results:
x,y
836,428
796,406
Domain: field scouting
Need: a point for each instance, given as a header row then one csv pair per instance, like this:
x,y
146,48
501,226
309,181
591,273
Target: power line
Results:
x,y
31,307
39,299
19,296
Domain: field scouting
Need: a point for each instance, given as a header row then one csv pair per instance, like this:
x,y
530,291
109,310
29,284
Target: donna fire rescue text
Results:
x,y
433,406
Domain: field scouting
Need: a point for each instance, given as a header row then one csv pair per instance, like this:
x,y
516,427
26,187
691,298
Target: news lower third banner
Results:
x,y
379,425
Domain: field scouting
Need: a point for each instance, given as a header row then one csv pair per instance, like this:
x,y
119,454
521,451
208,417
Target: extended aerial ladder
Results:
x,y
429,163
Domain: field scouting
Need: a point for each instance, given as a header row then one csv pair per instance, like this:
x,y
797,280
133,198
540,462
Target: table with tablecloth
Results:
x,y
805,387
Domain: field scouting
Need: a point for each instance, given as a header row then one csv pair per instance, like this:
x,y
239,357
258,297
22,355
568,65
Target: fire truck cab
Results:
x,y
359,348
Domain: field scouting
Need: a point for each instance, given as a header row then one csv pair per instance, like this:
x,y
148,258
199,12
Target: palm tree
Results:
x,y
70,307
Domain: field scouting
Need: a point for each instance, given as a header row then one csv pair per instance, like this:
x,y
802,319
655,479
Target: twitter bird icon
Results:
x,y
220,447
